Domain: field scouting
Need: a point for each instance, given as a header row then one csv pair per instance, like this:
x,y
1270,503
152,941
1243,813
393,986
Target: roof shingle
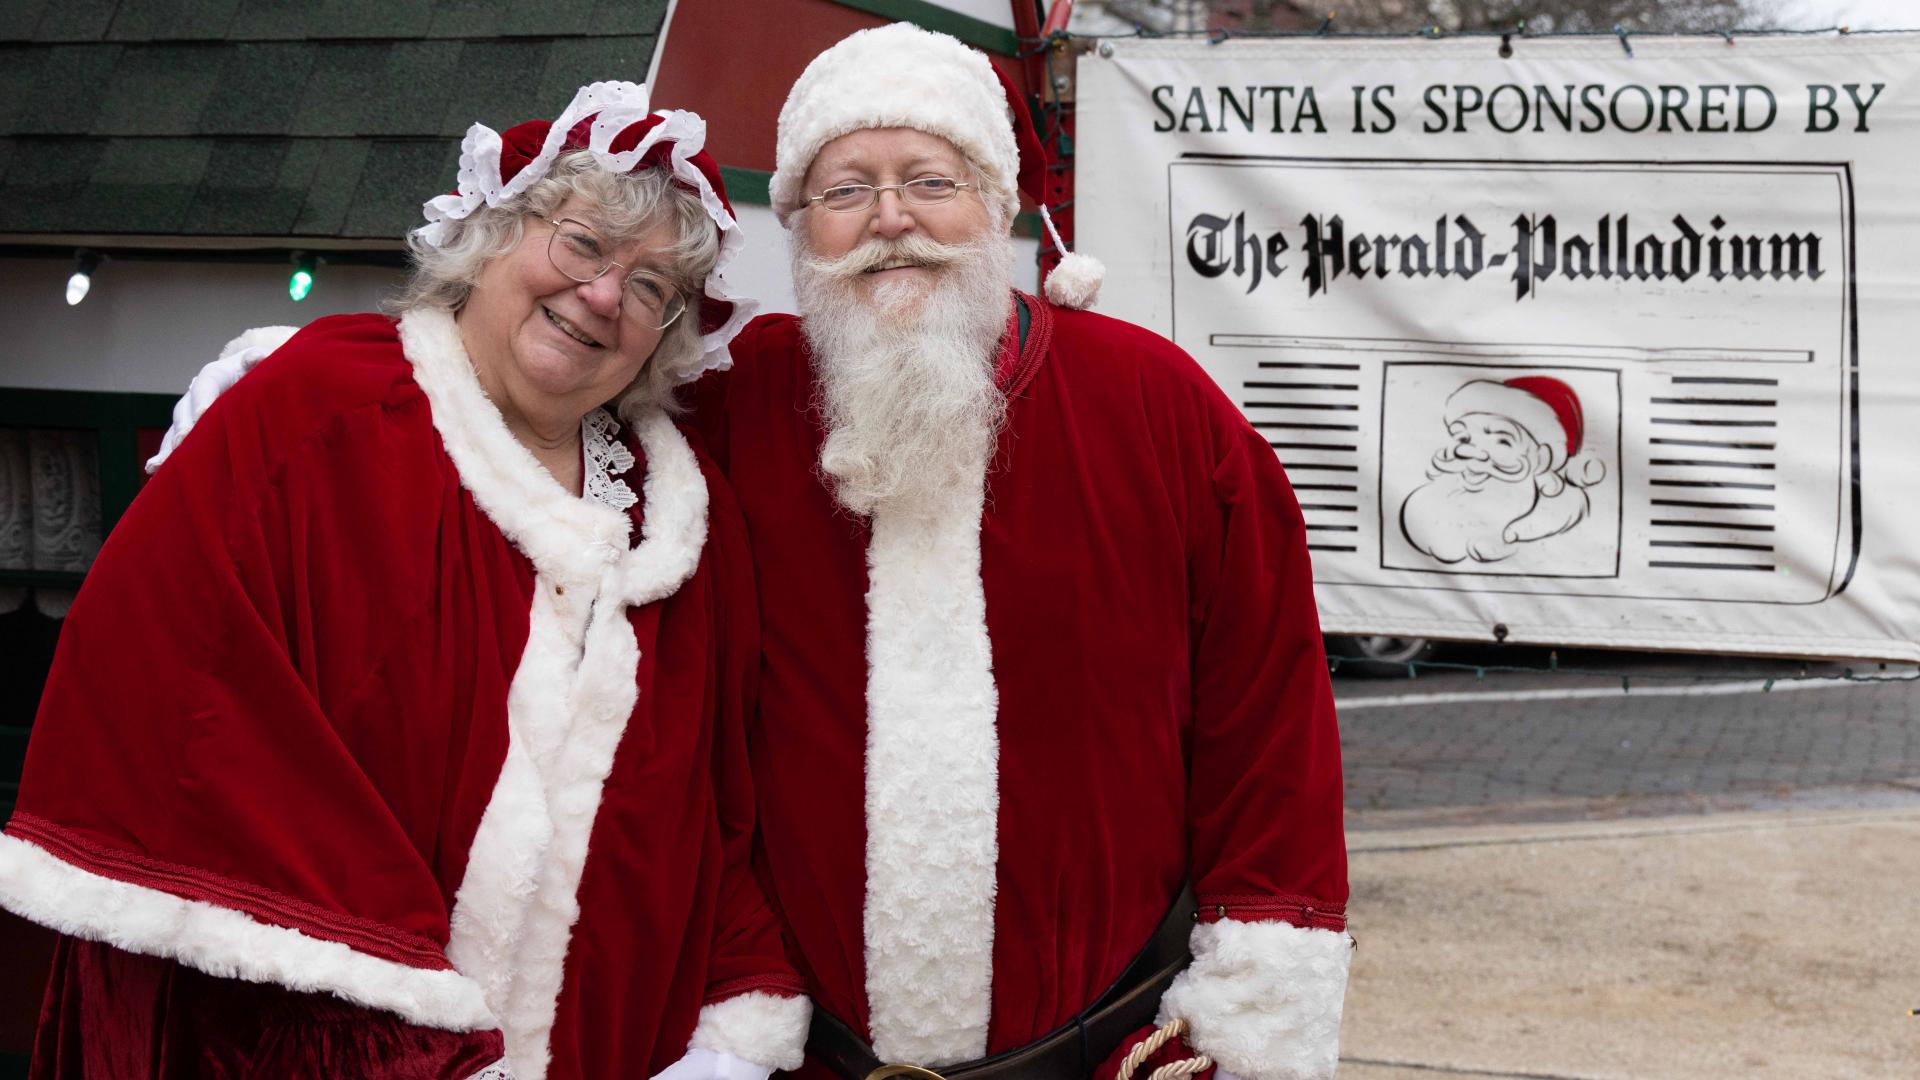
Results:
x,y
296,118
172,20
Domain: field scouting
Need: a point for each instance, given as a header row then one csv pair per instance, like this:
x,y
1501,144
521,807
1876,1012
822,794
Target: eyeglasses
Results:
x,y
579,252
926,191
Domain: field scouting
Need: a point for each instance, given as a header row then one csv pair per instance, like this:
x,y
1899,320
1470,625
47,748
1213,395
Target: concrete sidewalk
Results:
x,y
1741,945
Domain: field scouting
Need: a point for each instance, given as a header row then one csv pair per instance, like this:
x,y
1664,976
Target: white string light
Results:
x,y
84,264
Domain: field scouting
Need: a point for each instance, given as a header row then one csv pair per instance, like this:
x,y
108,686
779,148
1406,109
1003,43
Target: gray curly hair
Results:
x,y
443,277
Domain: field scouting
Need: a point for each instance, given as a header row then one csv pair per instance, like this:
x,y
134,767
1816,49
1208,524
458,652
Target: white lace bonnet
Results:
x,y
605,115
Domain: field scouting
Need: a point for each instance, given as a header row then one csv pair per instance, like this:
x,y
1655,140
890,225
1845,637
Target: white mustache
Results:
x,y
913,249
1446,460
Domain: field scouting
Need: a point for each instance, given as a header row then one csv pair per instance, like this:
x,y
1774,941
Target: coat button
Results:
x,y
559,590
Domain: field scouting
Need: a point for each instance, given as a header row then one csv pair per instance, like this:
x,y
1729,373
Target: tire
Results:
x,y
1378,655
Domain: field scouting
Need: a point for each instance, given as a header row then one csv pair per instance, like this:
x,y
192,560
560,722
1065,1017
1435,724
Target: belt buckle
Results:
x,y
911,1072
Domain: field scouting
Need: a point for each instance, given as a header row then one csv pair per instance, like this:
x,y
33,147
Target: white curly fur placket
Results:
x,y
573,691
932,782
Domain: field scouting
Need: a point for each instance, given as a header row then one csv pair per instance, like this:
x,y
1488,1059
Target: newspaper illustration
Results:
x,y
1701,448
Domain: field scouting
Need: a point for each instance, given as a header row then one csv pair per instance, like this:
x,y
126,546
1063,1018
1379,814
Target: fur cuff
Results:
x,y
1263,998
763,1028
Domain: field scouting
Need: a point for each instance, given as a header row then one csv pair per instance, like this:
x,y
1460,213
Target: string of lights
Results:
x,y
1880,673
302,277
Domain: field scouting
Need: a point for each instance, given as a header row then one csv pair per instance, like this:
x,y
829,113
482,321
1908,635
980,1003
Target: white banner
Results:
x,y
1570,346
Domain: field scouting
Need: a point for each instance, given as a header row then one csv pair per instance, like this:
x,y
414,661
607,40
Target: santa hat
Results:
x,y
612,121
1545,406
903,76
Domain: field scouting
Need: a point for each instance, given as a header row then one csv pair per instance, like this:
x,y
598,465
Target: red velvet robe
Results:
x,y
1149,664
330,714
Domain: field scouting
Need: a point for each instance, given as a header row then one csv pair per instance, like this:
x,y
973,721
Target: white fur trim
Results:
x,y
1075,282
498,1070
932,781
897,76
225,943
1263,998
261,341
569,538
766,1029
614,106
235,360
573,690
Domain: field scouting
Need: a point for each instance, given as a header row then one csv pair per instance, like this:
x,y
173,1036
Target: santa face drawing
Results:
x,y
1487,446
1511,473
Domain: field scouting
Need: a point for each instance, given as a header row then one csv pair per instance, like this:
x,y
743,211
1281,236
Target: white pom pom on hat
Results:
x,y
903,76
1075,282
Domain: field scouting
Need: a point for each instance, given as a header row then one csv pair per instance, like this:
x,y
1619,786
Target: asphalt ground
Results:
x,y
1694,879
1688,734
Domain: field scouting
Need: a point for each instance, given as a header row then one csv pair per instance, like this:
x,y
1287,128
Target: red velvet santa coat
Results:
x,y
992,743
358,703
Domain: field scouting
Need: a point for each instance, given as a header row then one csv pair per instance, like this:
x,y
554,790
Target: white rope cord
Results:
x,y
1046,219
1147,1047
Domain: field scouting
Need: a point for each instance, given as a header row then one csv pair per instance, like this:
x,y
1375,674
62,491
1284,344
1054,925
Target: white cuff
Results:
x,y
758,1027
1263,999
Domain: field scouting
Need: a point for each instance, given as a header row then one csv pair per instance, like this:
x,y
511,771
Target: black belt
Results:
x,y
1070,1052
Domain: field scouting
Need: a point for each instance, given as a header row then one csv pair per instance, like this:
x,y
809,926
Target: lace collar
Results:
x,y
606,459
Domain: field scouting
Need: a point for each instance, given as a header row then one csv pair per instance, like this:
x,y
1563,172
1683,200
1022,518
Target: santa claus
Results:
x,y
1040,644
1512,472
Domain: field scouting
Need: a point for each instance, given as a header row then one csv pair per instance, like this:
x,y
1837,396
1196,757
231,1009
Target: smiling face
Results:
x,y
545,344
887,230
1488,446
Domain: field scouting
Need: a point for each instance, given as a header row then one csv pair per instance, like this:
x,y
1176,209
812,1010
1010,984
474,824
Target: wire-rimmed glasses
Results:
x,y
926,191
581,253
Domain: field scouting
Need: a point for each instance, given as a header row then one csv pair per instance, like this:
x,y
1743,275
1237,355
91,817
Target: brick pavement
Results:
x,y
1622,754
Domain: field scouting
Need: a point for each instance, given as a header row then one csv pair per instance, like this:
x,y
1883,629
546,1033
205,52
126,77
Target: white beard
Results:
x,y
1452,522
907,389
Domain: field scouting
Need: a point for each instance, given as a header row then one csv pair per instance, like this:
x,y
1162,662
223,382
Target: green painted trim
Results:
x,y
83,408
1028,225
750,186
45,579
113,417
13,750
975,32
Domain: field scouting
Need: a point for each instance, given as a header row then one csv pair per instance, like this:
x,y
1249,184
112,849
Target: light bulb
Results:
x,y
84,264
301,283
